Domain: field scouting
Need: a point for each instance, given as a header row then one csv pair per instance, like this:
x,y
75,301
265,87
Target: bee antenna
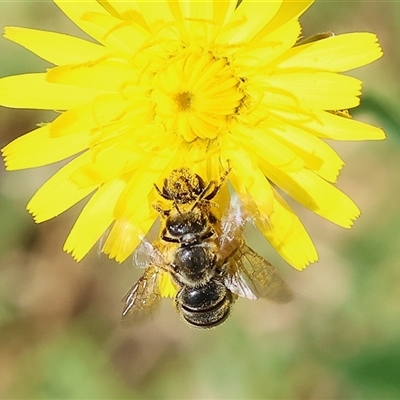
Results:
x,y
177,208
199,198
194,204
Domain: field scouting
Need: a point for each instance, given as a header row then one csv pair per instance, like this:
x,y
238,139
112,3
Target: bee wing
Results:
x,y
251,276
236,283
143,297
142,254
231,228
147,254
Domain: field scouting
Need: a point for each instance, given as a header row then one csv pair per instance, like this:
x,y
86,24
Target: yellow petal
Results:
x,y
248,181
76,10
198,19
223,11
289,10
259,141
336,54
166,285
196,10
39,148
195,156
287,235
317,155
316,194
94,116
125,235
121,38
109,161
95,218
55,47
315,90
34,91
139,187
130,10
247,21
276,43
59,193
133,211
330,126
106,75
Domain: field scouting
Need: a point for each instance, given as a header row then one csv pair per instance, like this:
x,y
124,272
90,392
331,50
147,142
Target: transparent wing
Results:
x,y
143,297
251,276
143,253
147,254
236,283
146,251
231,228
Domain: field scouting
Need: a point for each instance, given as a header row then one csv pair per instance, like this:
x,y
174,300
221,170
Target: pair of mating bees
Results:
x,y
206,258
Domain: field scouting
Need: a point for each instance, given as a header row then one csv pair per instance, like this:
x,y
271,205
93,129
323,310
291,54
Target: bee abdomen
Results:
x,y
205,306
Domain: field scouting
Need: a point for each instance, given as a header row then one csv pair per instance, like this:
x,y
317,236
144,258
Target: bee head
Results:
x,y
182,186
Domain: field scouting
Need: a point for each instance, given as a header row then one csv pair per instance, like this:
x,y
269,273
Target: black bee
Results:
x,y
207,259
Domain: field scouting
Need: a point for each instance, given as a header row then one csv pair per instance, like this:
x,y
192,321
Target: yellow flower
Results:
x,y
193,84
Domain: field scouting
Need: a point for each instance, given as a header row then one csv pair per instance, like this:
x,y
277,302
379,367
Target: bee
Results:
x,y
206,258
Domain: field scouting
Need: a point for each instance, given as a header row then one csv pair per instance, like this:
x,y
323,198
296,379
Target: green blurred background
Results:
x,y
340,339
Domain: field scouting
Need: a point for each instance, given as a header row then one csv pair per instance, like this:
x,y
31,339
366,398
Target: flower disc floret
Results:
x,y
196,95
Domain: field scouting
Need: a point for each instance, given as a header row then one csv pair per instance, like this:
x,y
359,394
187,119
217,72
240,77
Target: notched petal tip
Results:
x,y
352,220
33,213
302,261
5,159
8,30
73,253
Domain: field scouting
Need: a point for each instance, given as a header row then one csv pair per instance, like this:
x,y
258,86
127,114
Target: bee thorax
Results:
x,y
195,264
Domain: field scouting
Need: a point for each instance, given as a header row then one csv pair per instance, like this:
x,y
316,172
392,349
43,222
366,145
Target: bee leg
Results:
x,y
164,192
163,213
168,239
217,186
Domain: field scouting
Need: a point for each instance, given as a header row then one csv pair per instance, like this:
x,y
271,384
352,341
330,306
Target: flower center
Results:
x,y
183,101
196,95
